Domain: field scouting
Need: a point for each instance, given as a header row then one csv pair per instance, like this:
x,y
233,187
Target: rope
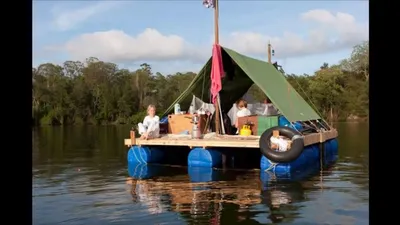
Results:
x,y
202,89
315,126
272,176
271,166
141,172
309,99
141,169
134,153
141,155
140,158
327,128
190,88
220,115
134,172
294,127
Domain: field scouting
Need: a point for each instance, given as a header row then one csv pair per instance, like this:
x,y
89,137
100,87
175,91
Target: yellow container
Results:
x,y
245,131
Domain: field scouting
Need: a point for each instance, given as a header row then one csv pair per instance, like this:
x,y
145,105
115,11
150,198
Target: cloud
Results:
x,y
331,32
69,19
116,45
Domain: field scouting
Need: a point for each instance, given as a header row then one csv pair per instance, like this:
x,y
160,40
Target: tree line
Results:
x,y
98,92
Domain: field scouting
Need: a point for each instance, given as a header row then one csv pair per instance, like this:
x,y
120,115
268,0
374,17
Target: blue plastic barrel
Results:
x,y
308,158
145,154
199,157
283,122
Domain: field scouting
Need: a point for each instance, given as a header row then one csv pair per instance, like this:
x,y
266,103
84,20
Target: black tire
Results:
x,y
282,157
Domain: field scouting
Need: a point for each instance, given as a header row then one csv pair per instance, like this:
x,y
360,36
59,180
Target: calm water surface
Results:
x,y
80,176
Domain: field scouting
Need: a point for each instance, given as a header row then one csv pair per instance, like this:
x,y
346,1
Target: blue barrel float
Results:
x,y
331,151
201,162
145,154
301,174
200,157
308,158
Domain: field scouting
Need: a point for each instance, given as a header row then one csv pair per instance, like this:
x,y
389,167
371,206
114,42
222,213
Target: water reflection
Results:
x,y
196,201
216,197
80,177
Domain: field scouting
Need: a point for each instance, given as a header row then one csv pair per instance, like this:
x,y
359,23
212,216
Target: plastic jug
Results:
x,y
177,108
245,131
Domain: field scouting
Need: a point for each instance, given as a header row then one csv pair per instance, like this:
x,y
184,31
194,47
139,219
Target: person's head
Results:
x,y
241,104
151,110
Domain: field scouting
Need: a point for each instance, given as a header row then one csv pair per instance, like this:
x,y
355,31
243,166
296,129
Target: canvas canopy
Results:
x,y
240,74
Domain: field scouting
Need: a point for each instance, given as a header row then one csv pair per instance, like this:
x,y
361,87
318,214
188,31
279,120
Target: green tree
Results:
x,y
98,92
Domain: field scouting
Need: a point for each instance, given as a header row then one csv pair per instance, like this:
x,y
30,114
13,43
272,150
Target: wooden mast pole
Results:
x,y
269,52
269,60
216,27
216,41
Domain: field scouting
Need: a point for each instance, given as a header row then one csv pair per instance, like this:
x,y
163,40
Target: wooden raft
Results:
x,y
229,141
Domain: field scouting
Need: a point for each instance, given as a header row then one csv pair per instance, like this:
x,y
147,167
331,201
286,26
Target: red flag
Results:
x,y
217,72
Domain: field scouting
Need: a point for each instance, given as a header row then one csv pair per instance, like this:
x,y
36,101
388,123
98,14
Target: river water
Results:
x,y
80,176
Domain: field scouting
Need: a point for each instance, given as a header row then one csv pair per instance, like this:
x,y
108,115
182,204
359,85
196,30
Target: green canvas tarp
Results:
x,y
241,73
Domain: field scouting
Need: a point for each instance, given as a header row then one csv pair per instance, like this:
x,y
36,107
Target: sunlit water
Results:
x,y
80,176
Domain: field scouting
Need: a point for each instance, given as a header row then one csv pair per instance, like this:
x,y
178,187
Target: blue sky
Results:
x,y
177,36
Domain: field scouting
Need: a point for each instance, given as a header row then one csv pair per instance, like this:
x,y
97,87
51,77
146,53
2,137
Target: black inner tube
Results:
x,y
291,154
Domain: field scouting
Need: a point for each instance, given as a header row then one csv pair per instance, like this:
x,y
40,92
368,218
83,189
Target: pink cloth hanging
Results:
x,y
217,72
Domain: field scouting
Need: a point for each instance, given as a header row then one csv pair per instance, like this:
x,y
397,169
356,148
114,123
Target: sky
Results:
x,y
177,36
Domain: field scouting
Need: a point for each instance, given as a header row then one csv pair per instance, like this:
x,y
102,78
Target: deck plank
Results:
x,y
214,142
229,141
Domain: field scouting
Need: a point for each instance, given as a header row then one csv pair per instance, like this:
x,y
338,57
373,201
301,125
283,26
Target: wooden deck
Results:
x,y
228,141
209,140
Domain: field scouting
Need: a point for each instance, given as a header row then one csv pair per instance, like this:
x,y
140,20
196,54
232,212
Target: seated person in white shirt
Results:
x,y
243,111
270,109
150,128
